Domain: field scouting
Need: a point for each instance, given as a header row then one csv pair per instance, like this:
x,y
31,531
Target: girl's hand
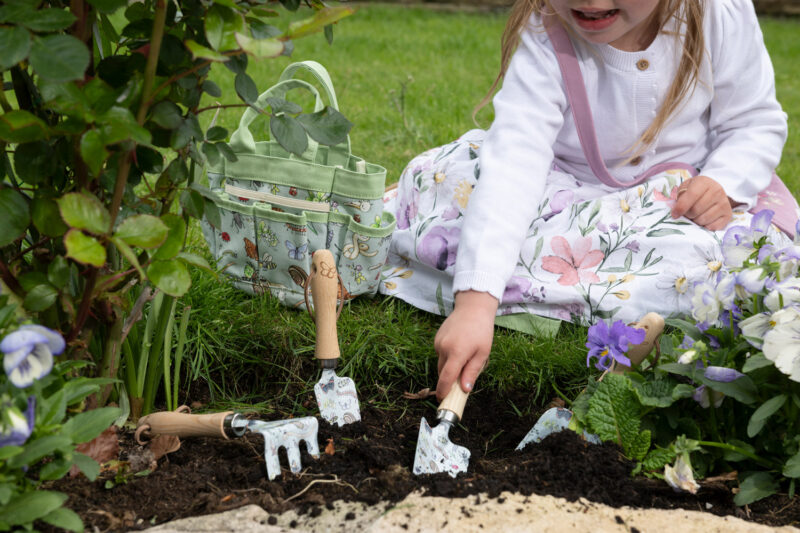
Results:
x,y
464,340
703,201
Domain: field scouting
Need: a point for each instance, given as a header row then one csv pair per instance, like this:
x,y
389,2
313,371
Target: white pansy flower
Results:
x,y
782,293
782,342
680,476
29,353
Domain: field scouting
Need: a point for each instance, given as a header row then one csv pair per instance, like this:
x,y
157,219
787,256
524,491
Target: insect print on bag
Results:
x,y
298,253
250,249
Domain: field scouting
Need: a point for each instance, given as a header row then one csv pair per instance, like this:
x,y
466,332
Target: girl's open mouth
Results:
x,y
595,20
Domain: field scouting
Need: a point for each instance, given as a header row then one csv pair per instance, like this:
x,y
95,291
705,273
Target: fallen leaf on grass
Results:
x,y
329,449
102,448
421,395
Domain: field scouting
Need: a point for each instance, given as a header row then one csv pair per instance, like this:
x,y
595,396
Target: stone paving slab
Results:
x,y
509,513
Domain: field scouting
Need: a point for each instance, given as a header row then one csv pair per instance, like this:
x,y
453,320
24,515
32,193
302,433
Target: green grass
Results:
x,y
408,78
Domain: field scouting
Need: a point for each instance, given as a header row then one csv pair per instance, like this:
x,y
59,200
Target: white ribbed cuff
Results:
x,y
475,280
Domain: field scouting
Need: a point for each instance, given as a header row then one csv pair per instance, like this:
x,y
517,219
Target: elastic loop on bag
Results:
x,y
242,140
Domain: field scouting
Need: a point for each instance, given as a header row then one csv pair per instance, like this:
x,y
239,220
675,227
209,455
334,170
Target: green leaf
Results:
x,y
677,368
792,466
764,411
192,203
149,160
734,456
6,452
212,89
15,42
201,52
742,389
19,126
260,48
144,231
93,151
40,298
59,58
119,124
48,20
14,216
754,362
321,18
289,133
214,26
212,154
656,393
129,254
36,449
64,518
85,426
246,88
170,276
167,115
279,105
614,415
217,133
227,152
108,6
212,214
686,327
76,389
682,390
34,161
84,249
47,217
84,211
327,126
174,242
30,506
52,409
755,486
89,467
196,260
55,469
657,459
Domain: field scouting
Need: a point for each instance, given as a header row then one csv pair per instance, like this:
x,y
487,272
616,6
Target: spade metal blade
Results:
x,y
337,399
435,452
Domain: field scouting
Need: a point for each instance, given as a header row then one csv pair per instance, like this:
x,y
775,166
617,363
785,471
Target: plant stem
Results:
x,y
83,310
156,38
742,451
111,356
9,279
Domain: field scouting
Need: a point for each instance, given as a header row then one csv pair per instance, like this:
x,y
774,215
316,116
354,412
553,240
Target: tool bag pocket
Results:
x,y
278,208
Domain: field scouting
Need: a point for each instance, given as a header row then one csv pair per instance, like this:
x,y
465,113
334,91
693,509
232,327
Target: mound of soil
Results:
x,y
371,462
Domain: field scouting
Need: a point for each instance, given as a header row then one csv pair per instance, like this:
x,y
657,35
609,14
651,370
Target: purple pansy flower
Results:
x,y
738,243
720,374
609,345
15,428
29,353
438,247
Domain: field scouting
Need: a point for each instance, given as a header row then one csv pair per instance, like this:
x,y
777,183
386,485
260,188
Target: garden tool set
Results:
x,y
336,396
287,433
558,418
435,452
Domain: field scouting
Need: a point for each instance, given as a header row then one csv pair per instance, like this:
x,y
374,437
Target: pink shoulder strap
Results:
x,y
582,113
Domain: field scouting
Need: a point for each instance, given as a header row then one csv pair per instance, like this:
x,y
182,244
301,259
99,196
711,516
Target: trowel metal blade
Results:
x,y
552,421
286,433
337,399
435,452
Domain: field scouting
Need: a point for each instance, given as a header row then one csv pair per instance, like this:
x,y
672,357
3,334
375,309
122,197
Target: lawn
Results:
x,y
409,79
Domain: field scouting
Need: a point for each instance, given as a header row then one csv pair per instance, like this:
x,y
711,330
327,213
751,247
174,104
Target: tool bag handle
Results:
x,y
242,140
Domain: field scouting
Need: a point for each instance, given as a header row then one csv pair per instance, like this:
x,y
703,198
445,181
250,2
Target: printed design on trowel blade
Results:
x,y
289,434
552,421
337,399
436,453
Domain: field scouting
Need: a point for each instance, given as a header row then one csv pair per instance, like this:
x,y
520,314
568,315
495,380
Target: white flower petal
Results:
x,y
21,338
54,339
42,354
755,327
13,359
680,477
22,376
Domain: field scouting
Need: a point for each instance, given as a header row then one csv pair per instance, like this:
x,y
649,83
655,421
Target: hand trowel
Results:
x,y
559,418
336,396
435,452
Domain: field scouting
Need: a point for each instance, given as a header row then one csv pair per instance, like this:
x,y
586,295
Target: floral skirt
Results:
x,y
592,251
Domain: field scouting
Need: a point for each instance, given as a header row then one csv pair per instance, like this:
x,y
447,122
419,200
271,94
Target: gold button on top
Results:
x,y
643,64
636,160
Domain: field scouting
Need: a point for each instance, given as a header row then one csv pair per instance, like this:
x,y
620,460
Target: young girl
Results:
x,y
603,185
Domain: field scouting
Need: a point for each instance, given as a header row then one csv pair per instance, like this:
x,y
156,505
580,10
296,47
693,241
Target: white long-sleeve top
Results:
x,y
731,128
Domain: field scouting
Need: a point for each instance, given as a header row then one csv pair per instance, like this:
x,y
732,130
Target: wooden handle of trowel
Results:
x,y
653,325
185,424
324,289
455,400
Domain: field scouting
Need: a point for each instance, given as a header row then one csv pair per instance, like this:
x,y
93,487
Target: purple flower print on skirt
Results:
x,y
518,289
407,209
438,247
560,201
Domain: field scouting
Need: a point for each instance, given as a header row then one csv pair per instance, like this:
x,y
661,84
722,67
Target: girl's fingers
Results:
x,y
448,375
472,370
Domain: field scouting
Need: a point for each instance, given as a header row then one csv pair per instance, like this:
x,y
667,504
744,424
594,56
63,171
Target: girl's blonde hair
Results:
x,y
688,12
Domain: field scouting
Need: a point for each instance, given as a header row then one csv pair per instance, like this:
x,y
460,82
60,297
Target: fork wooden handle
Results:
x,y
185,424
324,289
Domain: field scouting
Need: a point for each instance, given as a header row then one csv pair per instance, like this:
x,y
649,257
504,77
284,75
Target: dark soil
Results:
x,y
372,462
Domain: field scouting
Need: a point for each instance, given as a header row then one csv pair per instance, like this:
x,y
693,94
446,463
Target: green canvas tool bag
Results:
x,y
277,208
